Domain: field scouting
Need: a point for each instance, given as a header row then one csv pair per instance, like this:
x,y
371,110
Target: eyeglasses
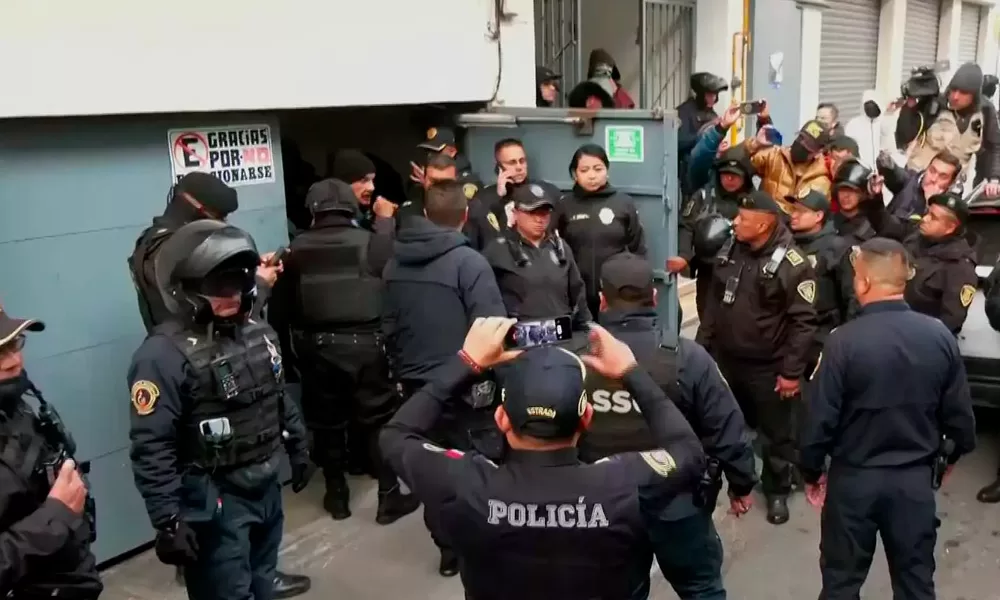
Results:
x,y
15,345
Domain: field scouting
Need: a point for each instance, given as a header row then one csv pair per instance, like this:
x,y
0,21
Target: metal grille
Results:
x,y
848,54
968,34
557,35
667,52
920,40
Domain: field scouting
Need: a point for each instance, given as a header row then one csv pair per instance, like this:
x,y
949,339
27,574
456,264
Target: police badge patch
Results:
x,y
432,133
794,257
807,289
492,218
470,190
966,295
660,461
144,396
607,216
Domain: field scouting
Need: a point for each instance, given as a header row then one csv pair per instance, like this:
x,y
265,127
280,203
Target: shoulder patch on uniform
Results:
x,y
812,260
967,294
660,461
794,257
916,217
816,368
144,396
688,208
855,253
470,190
807,289
492,218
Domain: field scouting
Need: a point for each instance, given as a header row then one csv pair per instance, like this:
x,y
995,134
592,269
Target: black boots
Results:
x,y
777,509
393,506
337,499
990,494
449,563
289,586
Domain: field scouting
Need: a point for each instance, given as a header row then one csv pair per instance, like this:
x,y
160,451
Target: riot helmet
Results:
x,y
702,83
711,232
207,259
852,173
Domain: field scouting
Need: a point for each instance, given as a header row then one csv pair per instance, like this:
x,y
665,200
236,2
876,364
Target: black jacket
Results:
x,y
477,228
598,225
435,287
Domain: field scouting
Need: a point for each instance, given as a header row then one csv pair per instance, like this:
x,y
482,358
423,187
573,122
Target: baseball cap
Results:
x,y
953,203
543,393
816,132
531,197
438,138
10,327
626,270
545,74
811,199
761,201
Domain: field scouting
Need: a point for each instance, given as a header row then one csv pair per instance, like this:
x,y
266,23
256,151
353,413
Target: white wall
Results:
x,y
116,57
716,22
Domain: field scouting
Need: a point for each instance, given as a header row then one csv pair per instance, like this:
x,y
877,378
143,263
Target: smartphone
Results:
x,y
279,255
539,332
752,108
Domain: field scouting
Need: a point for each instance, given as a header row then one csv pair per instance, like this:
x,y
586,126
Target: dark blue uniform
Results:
x,y
542,525
687,546
889,385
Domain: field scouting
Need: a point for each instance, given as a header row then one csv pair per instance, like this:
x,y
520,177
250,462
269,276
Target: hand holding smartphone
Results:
x,y
539,332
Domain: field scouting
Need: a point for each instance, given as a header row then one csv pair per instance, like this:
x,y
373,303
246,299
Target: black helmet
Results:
x,y
206,258
585,89
707,82
711,232
851,173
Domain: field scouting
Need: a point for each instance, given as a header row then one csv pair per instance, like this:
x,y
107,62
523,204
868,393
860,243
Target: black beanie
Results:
x,y
210,191
968,78
352,165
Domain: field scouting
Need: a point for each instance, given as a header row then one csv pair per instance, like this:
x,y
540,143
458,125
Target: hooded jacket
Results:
x,y
780,177
600,56
436,285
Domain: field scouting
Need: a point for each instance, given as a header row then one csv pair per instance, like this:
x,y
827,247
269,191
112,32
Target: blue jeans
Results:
x,y
689,552
238,548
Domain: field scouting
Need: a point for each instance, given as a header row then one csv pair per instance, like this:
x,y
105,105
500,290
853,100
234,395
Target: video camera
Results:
x,y
923,81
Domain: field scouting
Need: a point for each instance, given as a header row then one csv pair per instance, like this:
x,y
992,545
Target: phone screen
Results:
x,y
539,332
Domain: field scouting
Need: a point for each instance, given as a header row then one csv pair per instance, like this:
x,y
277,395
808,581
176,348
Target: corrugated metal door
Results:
x,y
968,34
923,19
667,52
557,35
848,54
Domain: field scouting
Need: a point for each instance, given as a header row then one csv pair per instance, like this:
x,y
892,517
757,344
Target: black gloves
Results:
x,y
302,472
176,544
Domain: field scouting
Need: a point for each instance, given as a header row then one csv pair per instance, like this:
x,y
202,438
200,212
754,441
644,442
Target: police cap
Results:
x,y
543,393
10,327
811,199
952,202
760,201
730,164
531,197
331,195
438,138
626,270
209,191
544,74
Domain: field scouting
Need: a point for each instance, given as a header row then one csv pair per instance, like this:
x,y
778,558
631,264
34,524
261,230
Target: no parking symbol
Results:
x,y
238,155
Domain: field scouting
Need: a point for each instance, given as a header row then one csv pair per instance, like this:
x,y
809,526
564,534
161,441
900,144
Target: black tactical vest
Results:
x,y
335,287
234,417
618,425
24,451
140,265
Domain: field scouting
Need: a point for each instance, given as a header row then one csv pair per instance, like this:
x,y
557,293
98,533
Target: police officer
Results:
x,y
694,113
890,406
943,280
330,294
829,256
435,286
760,327
850,188
688,548
353,167
535,269
507,521
439,168
47,515
196,196
732,178
512,174
441,140
209,416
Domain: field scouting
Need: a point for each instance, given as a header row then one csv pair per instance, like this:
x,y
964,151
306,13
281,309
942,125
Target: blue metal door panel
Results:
x,y
550,138
74,195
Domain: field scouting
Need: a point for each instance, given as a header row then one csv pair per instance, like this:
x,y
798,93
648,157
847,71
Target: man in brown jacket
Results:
x,y
794,170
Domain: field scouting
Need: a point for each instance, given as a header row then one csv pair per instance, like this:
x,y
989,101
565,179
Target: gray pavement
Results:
x,y
359,560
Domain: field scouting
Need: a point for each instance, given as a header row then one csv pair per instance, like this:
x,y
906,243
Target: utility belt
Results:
x,y
329,338
706,494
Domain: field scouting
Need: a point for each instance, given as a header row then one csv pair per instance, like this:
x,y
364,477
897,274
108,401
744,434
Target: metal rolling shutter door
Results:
x,y
923,19
848,54
968,35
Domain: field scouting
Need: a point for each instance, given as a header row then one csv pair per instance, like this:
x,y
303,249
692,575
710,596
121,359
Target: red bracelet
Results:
x,y
468,360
